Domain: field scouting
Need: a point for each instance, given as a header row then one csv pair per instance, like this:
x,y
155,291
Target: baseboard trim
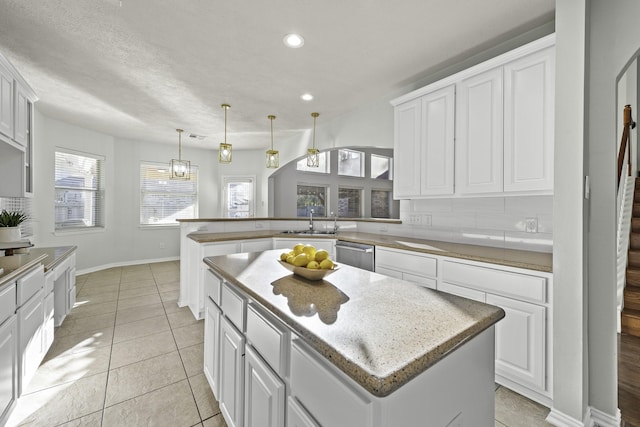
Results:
x,y
560,419
124,264
597,418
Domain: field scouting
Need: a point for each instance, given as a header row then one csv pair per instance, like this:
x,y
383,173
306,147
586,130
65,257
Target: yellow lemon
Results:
x,y
313,265
321,255
301,260
326,264
297,249
284,256
290,259
310,250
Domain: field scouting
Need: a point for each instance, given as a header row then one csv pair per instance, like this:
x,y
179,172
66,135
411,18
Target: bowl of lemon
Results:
x,y
308,262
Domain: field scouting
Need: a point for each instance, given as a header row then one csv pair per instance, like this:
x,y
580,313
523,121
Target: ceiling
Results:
x,y
139,69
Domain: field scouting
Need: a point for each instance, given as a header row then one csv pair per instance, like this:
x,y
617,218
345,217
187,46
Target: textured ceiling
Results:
x,y
138,69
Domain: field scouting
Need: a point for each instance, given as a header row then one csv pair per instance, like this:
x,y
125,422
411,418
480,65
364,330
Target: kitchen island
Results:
x,y
355,349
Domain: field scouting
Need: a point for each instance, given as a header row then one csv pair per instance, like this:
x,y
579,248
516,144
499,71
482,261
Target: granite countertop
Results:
x,y
380,346
14,265
538,261
319,218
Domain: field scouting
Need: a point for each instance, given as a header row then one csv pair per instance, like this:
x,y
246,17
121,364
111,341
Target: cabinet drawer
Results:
x,y
407,262
389,272
269,338
328,398
7,302
426,282
462,291
233,306
29,284
505,283
212,286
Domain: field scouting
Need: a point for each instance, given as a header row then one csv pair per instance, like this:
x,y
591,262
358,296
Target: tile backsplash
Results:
x,y
524,222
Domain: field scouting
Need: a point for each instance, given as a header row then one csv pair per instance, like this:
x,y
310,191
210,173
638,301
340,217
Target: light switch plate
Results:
x,y
531,225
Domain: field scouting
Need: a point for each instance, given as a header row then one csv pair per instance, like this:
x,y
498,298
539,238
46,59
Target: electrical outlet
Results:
x,y
531,225
415,219
426,220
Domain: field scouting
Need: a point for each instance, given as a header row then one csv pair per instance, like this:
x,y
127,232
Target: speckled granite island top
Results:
x,y
378,330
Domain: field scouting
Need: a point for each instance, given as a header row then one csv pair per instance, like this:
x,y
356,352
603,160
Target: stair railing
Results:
x,y
625,144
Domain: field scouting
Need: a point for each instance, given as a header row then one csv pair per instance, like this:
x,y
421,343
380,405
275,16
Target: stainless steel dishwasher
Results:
x,y
355,254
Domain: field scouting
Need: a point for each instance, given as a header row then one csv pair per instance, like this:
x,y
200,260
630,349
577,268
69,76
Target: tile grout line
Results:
x,y
106,387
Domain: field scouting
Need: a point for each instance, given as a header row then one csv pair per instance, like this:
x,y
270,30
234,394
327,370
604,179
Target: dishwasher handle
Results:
x,y
356,249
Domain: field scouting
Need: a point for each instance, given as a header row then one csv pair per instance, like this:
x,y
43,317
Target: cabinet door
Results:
x,y
297,416
21,116
520,342
212,346
264,393
231,373
8,367
406,149
30,324
529,122
437,139
6,103
479,115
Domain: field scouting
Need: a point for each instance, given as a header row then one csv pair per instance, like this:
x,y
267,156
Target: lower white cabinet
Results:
x,y
297,416
8,367
212,346
411,266
30,325
231,373
264,393
520,342
64,288
256,245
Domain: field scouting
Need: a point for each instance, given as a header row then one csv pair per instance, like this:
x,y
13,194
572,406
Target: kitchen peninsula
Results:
x,y
356,349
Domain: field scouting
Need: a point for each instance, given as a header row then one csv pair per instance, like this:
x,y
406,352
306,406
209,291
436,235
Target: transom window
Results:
x,y
351,163
164,200
323,164
381,167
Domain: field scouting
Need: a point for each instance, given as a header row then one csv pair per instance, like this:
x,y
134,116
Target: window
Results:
x,y
311,197
351,163
380,204
381,167
79,188
323,164
163,200
238,197
349,202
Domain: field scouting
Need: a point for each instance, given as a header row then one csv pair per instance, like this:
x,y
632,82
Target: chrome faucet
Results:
x,y
311,212
335,222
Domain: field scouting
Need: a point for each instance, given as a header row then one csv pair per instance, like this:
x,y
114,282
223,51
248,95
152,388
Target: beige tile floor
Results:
x,y
127,355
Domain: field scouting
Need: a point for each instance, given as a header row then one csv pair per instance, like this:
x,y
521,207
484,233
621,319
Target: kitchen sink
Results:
x,y
308,232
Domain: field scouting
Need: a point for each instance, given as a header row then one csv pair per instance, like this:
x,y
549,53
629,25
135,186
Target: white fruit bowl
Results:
x,y
309,273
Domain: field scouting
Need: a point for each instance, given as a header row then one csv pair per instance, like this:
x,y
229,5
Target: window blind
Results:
x,y
164,200
79,190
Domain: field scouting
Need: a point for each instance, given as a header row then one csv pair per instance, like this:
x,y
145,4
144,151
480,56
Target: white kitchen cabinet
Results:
x,y
256,245
64,288
6,102
8,367
462,291
30,325
21,116
479,123
212,346
264,393
529,88
297,416
520,342
231,373
411,266
424,145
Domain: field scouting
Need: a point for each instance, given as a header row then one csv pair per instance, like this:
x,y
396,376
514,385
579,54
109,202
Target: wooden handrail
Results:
x,y
625,143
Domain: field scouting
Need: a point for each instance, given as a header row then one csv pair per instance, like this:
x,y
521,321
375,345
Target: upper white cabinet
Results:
x,y
21,116
502,111
6,102
424,145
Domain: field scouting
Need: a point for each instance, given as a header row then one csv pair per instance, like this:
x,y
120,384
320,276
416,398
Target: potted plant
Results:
x,y
10,225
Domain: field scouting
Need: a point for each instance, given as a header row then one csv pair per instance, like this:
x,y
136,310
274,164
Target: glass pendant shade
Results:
x,y
178,168
224,153
313,154
273,160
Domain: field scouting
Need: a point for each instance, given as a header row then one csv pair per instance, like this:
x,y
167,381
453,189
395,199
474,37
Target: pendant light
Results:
x,y
180,169
272,155
224,154
313,154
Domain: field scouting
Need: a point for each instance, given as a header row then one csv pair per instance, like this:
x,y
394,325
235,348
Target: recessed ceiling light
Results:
x,y
293,40
307,97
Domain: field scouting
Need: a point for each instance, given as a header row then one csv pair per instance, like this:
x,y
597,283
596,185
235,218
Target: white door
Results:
x,y
6,103
479,128
520,342
406,149
264,393
8,366
212,346
529,122
231,373
238,196
437,148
